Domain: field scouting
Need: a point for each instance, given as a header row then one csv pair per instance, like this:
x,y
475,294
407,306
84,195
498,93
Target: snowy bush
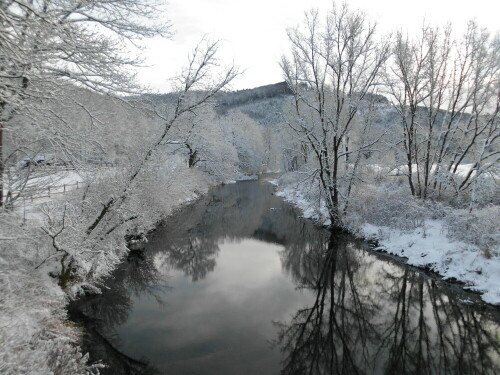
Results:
x,y
387,207
35,336
478,227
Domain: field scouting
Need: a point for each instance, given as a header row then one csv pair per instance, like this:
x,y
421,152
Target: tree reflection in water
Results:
x,y
194,255
368,319
101,314
369,316
189,241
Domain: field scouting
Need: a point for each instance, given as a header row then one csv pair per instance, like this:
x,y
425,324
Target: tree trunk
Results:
x,y
193,156
1,164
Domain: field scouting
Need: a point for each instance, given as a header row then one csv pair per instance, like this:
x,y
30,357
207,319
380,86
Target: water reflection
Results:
x,y
372,318
241,259
190,240
101,314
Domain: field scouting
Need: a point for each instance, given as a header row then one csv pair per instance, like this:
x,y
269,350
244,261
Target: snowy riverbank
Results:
x,y
429,242
36,336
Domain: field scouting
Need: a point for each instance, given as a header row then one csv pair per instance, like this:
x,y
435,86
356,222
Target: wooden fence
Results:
x,y
47,192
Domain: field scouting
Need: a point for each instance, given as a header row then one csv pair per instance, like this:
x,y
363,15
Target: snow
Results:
x,y
33,325
243,177
274,182
50,185
309,209
427,247
462,169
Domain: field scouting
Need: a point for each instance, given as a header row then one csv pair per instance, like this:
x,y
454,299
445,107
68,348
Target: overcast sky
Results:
x,y
254,31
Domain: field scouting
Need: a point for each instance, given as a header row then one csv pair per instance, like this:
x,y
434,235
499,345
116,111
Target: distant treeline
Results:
x,y
230,99
235,98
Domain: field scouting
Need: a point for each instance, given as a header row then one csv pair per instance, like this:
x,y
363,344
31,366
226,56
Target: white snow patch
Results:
x,y
273,182
308,208
244,177
430,247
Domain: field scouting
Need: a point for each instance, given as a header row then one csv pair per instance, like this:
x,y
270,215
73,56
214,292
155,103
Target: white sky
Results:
x,y
254,31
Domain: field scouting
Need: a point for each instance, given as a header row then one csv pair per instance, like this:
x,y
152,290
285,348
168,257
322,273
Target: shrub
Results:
x,y
388,206
478,227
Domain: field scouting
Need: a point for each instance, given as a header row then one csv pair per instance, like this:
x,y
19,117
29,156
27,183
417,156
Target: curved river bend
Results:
x,y
237,283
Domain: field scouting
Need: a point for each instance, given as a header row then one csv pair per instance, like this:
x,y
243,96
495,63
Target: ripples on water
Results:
x,y
238,284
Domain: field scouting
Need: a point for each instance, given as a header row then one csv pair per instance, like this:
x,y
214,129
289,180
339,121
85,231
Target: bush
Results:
x,y
388,206
478,227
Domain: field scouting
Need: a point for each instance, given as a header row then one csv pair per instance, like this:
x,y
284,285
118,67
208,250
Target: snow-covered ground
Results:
x,y
462,170
50,184
243,177
35,335
431,248
56,180
427,246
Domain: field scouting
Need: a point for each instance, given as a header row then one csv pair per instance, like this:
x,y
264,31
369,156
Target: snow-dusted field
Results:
x,y
51,184
50,181
462,169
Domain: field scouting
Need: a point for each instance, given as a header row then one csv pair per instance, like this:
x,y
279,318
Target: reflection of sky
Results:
x,y
221,324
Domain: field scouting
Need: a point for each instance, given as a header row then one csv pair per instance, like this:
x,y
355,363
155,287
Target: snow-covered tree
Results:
x,y
246,136
201,138
332,70
447,92
47,46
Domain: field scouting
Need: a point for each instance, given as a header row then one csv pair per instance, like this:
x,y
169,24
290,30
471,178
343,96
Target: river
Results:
x,y
238,283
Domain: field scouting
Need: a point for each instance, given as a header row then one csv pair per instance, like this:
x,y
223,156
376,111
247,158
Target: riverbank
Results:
x,y
35,333
455,244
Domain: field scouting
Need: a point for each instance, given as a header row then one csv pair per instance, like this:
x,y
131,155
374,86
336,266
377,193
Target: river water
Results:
x,y
238,283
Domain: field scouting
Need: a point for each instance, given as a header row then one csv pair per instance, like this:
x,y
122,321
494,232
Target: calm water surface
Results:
x,y
239,284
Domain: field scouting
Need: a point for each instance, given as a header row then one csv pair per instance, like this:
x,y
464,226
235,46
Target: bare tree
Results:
x,y
332,71
446,92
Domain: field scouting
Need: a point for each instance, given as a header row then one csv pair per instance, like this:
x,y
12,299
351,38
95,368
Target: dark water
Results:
x,y
239,284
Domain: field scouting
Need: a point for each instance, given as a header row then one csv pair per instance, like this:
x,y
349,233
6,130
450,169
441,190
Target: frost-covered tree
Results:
x,y
332,70
447,91
246,135
47,46
201,138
